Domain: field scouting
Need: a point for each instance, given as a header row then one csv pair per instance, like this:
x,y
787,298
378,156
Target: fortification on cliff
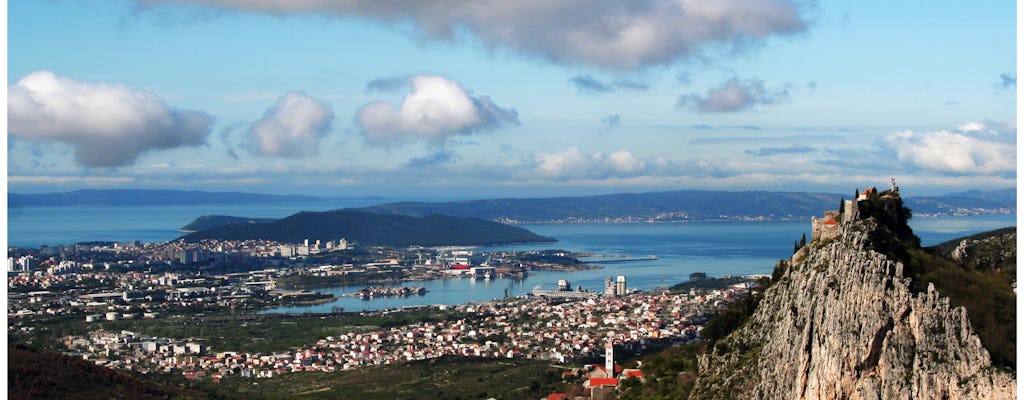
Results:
x,y
868,203
841,321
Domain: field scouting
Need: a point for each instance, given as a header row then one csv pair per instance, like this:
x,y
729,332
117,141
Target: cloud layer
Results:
x,y
974,147
292,127
108,125
733,95
436,110
605,33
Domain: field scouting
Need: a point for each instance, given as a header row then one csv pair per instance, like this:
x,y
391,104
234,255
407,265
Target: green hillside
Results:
x,y
35,375
212,221
374,229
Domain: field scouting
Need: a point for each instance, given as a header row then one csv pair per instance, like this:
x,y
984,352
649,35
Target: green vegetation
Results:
x,y
672,373
442,378
669,375
709,283
36,375
731,318
213,221
560,257
262,333
986,294
987,251
368,229
984,289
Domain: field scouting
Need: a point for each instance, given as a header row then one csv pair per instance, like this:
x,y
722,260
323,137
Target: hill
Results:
x,y
449,377
138,197
993,250
375,229
213,221
1006,196
684,205
35,375
863,312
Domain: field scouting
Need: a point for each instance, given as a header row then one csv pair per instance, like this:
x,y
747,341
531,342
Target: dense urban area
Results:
x,y
188,310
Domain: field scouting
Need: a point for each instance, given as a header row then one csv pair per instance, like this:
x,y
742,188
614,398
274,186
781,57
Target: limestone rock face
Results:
x,y
843,323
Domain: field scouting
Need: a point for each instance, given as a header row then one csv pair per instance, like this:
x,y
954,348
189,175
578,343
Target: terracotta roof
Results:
x,y
595,382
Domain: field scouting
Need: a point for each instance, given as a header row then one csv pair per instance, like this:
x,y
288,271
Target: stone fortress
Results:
x,y
888,202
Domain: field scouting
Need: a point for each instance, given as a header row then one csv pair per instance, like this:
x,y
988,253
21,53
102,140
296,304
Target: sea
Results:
x,y
651,256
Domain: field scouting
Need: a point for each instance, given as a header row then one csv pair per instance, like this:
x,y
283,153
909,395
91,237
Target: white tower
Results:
x,y
609,360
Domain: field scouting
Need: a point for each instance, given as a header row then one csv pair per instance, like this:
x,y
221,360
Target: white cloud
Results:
x,y
292,127
572,163
972,127
733,95
610,34
435,110
973,149
107,124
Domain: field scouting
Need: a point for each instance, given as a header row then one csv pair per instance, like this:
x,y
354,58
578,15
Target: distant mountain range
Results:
x,y
687,205
368,228
681,205
138,197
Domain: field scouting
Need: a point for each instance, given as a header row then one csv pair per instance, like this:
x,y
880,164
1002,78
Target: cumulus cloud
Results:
x,y
573,163
108,125
436,110
733,95
974,147
605,33
292,127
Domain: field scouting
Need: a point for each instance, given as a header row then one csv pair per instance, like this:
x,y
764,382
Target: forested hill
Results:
x,y
375,229
689,205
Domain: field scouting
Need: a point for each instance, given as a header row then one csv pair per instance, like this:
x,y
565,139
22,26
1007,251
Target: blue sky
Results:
x,y
510,98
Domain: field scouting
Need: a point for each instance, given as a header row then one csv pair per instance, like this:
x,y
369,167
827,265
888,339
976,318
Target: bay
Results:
x,y
718,248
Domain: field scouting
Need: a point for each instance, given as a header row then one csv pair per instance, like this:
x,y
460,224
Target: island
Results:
x,y
372,229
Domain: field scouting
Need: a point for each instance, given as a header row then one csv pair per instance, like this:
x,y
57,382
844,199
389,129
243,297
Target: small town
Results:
x,y
562,332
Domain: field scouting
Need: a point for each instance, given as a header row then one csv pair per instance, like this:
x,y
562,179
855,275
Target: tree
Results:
x,y
803,240
842,205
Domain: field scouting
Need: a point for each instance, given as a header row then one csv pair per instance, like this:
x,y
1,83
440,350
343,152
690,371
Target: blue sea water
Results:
x,y
30,227
716,248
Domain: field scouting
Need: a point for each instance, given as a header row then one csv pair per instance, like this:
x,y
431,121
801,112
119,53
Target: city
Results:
x,y
91,291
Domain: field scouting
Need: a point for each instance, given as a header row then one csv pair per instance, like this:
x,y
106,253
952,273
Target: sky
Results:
x,y
431,100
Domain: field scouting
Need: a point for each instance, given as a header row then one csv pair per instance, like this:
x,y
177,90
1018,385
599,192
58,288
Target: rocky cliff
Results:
x,y
843,321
